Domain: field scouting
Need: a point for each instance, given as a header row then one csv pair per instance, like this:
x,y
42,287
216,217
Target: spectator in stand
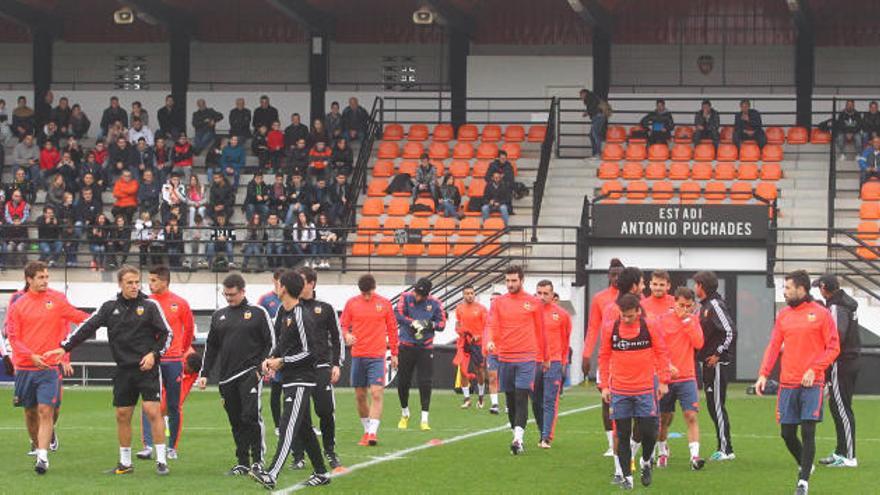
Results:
x,y
869,162
70,235
102,154
294,132
598,121
55,191
75,150
254,241
174,194
658,124
66,211
49,158
43,109
21,183
194,243
26,154
260,147
146,158
240,120
115,132
232,160
172,121
49,236
162,159
61,116
49,133
425,179
118,242
503,165
145,236
298,159
333,122
257,199
221,197
325,241
139,130
338,198
23,121
149,192
222,239
298,197
278,196
173,241
212,157
848,127
113,113
449,197
79,122
67,169
274,241
355,120
138,111
319,159
125,192
98,236
747,125
93,168
707,124
6,133
319,198
121,151
303,235
275,145
318,133
497,198
182,156
88,207
870,124
342,158
265,114
15,233
204,121
87,183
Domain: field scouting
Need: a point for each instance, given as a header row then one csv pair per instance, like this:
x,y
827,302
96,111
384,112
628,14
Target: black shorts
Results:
x,y
129,383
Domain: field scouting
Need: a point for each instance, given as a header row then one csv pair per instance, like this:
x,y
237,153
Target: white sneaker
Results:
x,y
325,264
841,462
842,157
608,453
172,453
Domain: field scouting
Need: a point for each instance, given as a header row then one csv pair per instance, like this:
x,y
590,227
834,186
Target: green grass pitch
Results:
x,y
480,463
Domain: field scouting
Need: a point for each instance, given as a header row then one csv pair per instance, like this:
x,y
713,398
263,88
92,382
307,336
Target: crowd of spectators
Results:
x,y
162,205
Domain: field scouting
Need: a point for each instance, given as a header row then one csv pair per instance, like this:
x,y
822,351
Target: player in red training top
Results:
x,y
683,337
180,318
516,332
809,333
659,302
548,384
35,324
370,328
470,323
632,356
600,300
492,363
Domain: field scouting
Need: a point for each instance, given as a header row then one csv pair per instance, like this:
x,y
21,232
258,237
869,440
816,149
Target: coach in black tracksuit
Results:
x,y
843,373
719,335
240,338
294,357
329,352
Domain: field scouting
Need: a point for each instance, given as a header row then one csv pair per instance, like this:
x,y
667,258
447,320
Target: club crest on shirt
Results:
x,y
139,310
811,317
555,316
527,306
317,310
379,308
705,313
174,307
247,315
49,305
429,307
288,321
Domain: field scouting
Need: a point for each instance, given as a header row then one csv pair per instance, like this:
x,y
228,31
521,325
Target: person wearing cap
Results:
x,y
843,372
419,315
707,124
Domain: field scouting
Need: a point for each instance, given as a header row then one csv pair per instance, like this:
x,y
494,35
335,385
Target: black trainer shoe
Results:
x,y
516,448
697,463
802,489
333,460
41,466
493,409
617,479
238,470
162,469
263,478
317,479
646,474
122,469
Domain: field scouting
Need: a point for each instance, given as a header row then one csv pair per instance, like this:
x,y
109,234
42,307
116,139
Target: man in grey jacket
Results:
x,y
424,180
26,154
707,124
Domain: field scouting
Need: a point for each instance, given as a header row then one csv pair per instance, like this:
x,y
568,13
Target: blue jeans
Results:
x,y
597,132
447,206
203,139
50,250
211,251
251,250
292,212
250,209
274,252
503,209
322,248
302,252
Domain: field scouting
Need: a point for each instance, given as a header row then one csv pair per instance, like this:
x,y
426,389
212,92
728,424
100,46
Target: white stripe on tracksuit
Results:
x,y
841,411
289,431
719,408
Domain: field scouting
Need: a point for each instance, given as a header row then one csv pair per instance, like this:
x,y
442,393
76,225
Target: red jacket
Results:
x,y
594,325
49,158
179,316
470,323
275,140
557,327
37,323
683,337
373,324
183,156
516,326
656,307
125,193
809,334
632,372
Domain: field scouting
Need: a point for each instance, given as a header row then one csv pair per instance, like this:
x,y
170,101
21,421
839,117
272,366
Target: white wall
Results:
x,y
527,75
16,65
682,258
278,63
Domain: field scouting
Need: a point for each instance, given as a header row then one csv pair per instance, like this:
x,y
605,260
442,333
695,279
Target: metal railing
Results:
x,y
501,110
543,166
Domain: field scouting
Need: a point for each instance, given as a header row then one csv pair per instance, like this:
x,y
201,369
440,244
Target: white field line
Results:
x,y
398,454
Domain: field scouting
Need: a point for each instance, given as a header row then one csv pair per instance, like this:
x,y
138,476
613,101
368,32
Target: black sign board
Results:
x,y
680,222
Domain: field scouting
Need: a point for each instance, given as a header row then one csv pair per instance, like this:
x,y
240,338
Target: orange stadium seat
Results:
x,y
460,168
413,150
413,250
679,170
383,168
689,191
635,131
480,168
608,170
818,136
636,152
468,132
388,246
615,134
747,171
514,134
749,152
443,133
771,153
636,191
871,191
662,191
491,133
367,225
775,135
726,134
487,151
463,151
868,231
376,188
393,132
771,171
388,150
767,191
612,152
469,226
392,224
655,170
399,207
682,152
476,188
373,207
439,246
425,202
632,170
683,134
715,192
725,171
492,225
741,192
867,253
408,167
658,152
537,133
727,153
438,151
363,246
514,151
869,211
704,152
702,171
417,132
420,223
438,165
612,190
463,244
797,135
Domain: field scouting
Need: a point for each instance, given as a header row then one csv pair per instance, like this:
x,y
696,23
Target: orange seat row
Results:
x,y
684,171
458,168
703,152
390,150
468,132
684,135
688,192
